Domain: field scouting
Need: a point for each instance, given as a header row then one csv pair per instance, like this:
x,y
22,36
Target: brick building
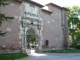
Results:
x,y
48,26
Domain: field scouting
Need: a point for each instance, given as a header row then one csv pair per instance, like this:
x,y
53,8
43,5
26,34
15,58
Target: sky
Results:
x,y
61,3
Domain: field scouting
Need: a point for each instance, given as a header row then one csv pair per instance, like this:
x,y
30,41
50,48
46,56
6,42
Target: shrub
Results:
x,y
72,45
78,45
32,46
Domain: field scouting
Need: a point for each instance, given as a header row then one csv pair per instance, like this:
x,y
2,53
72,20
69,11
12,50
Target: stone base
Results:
x,y
24,50
5,52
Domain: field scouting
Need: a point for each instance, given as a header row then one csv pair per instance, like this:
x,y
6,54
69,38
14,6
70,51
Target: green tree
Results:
x,y
32,39
74,22
3,17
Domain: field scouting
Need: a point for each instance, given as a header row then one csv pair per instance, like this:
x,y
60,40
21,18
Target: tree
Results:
x,y
3,17
74,23
32,39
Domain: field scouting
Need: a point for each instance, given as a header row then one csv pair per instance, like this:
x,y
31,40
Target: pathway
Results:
x,y
53,56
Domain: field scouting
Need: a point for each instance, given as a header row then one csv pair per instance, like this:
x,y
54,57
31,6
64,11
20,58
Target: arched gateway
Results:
x,y
32,40
31,36
31,31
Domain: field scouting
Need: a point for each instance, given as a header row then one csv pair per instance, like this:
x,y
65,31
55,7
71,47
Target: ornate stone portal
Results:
x,y
30,21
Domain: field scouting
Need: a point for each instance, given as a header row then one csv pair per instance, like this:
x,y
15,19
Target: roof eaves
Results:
x,y
65,8
32,2
53,4
46,10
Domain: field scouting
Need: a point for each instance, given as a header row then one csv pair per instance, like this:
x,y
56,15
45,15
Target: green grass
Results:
x,y
63,51
12,56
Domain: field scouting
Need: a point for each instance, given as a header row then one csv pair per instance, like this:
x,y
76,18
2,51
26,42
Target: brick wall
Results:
x,y
11,40
52,28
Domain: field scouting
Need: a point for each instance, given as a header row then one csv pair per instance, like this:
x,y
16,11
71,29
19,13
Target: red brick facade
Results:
x,y
52,30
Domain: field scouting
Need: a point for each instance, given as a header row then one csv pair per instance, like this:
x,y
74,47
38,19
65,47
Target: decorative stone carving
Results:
x,y
8,29
31,20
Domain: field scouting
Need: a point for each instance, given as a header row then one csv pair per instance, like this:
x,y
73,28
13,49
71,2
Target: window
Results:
x,y
47,42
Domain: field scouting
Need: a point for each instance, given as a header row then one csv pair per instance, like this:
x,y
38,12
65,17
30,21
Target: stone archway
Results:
x,y
32,39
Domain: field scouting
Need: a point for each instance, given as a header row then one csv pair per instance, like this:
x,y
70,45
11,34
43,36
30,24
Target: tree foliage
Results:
x,y
74,23
3,17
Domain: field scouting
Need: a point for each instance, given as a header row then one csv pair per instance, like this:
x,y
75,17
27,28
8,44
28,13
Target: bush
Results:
x,y
72,45
32,46
78,45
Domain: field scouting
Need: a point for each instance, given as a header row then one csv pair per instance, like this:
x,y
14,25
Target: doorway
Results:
x,y
31,40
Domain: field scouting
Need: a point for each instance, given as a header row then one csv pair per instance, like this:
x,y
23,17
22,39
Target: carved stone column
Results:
x,y
37,44
37,49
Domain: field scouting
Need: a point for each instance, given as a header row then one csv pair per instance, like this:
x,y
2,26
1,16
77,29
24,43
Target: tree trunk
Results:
x,y
73,40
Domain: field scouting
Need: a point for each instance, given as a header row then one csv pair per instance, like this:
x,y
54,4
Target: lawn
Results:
x,y
63,51
12,56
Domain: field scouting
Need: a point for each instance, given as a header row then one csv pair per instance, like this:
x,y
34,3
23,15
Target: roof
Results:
x,y
65,8
56,5
46,10
40,5
32,2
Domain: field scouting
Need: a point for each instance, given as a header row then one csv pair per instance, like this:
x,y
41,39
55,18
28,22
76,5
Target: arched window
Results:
x,y
30,32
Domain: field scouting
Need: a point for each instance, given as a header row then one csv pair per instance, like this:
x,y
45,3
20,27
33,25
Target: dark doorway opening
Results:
x,y
31,41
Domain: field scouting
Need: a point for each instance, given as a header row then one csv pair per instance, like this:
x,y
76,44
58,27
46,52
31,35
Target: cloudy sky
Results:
x,y
62,3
